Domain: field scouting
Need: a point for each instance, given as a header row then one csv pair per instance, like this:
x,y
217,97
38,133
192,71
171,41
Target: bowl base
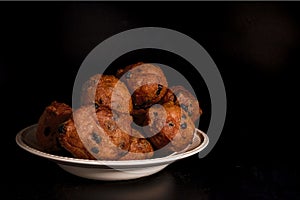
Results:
x,y
111,174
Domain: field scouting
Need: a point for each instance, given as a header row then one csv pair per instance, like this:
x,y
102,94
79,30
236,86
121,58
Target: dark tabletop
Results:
x,y
255,46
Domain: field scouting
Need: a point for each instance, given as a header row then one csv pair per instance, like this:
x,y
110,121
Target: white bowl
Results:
x,y
107,169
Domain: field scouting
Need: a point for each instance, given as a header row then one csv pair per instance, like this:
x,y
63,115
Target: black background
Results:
x,y
255,46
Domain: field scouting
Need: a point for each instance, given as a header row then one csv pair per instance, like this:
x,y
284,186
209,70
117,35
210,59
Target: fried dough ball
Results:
x,y
140,148
107,91
169,127
185,99
103,134
52,116
146,82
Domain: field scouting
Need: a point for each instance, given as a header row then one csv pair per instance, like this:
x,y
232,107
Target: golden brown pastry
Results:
x,y
140,148
146,82
99,134
107,91
169,127
101,128
48,123
70,140
139,116
185,99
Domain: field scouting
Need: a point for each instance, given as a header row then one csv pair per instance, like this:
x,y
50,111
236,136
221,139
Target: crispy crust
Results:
x,y
48,123
169,124
184,98
107,91
98,135
101,128
146,82
140,148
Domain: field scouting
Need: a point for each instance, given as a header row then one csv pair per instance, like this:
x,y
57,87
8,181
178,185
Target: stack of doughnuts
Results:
x,y
112,106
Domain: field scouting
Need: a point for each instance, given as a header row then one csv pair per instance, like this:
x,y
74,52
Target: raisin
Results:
x,y
122,145
183,126
97,138
159,88
110,126
95,150
61,129
171,124
128,75
184,107
47,131
175,96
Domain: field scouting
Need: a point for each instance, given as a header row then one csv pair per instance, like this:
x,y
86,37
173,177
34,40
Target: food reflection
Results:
x,y
152,187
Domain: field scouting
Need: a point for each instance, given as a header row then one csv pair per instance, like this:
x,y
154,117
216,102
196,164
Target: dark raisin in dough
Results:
x,y
106,91
146,82
187,101
168,129
48,125
97,135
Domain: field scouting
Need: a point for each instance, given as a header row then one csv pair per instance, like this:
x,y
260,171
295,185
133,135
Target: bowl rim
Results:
x,y
111,163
